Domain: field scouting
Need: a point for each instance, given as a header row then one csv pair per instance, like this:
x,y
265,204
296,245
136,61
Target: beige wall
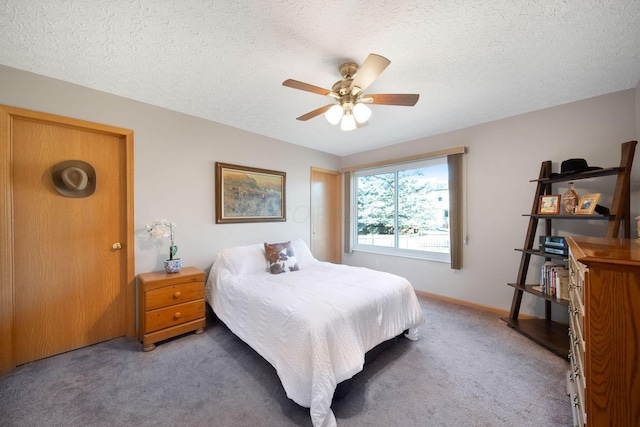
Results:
x,y
638,111
175,157
503,156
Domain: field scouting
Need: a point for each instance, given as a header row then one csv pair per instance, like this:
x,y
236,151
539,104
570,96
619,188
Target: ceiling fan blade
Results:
x,y
406,99
372,67
305,86
316,112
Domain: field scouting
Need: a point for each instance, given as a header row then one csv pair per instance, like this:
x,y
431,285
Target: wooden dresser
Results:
x,y
604,317
170,305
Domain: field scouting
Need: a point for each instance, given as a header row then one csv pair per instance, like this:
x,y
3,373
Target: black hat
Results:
x,y
572,166
74,178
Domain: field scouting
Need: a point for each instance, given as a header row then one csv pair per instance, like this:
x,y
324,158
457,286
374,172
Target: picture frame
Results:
x,y
248,194
587,204
549,204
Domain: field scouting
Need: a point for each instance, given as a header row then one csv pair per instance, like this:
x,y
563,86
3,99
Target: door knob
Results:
x,y
116,246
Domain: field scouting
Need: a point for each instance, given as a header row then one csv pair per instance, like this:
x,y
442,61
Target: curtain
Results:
x,y
454,162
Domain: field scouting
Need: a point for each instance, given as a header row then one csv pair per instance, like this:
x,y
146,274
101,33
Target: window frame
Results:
x,y
395,250
457,192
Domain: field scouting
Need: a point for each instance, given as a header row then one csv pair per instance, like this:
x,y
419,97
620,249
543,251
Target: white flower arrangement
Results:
x,y
159,229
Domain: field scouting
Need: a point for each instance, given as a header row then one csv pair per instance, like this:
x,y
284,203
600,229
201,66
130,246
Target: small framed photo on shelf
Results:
x,y
587,204
549,204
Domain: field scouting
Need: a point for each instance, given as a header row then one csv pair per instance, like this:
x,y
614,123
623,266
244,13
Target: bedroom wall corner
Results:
x,y
637,93
503,156
174,167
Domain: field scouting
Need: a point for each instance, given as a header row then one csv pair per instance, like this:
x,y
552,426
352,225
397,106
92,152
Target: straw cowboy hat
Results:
x,y
74,178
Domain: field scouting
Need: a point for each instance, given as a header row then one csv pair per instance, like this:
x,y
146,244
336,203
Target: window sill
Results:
x,y
425,256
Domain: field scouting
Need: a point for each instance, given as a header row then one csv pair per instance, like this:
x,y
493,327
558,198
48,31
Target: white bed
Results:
x,y
313,325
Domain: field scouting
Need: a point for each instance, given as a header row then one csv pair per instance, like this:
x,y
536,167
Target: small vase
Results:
x,y
570,199
173,265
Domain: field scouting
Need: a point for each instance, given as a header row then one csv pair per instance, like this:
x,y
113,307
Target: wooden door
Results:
x,y
325,215
73,281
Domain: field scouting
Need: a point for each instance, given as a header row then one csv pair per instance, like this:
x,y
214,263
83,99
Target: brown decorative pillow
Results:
x,y
280,257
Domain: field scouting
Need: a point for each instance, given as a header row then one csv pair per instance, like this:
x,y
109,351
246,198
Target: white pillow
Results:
x,y
242,260
303,254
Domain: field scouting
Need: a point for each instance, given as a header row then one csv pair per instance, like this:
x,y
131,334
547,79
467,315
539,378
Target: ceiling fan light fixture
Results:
x,y
349,95
334,114
348,122
361,113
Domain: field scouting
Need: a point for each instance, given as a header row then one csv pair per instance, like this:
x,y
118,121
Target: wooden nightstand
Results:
x,y
170,305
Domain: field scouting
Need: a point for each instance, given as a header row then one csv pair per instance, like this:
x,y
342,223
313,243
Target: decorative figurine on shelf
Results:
x,y
570,199
165,228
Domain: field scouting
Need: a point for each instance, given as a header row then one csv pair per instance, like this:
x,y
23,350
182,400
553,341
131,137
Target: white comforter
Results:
x,y
313,325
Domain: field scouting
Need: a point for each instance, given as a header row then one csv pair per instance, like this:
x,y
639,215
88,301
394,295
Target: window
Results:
x,y
401,171
403,209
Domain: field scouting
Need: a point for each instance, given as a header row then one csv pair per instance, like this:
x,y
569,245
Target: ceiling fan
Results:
x,y
351,110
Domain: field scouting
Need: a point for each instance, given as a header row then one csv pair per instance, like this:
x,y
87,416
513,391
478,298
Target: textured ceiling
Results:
x,y
471,61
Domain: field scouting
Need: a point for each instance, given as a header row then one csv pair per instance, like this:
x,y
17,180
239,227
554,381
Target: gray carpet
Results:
x,y
467,369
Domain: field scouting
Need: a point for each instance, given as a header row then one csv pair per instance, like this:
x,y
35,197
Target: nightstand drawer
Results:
x,y
173,315
171,295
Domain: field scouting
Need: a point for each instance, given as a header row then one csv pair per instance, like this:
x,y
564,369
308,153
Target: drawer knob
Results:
x,y
177,294
177,315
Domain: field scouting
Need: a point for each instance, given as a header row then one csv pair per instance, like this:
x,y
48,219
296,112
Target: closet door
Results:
x,y
325,215
71,274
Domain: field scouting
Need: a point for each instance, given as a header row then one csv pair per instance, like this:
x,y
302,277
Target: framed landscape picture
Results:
x,y
246,194
549,205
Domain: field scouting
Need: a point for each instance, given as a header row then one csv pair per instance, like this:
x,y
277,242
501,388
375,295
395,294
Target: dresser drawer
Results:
x,y
576,314
577,357
174,315
577,404
176,294
576,377
577,272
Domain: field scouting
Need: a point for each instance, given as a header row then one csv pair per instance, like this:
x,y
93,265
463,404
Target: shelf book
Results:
x,y
554,280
